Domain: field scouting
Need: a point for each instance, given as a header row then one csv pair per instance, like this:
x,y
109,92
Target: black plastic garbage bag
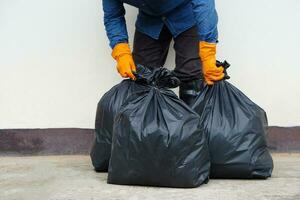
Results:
x,y
236,128
108,107
157,140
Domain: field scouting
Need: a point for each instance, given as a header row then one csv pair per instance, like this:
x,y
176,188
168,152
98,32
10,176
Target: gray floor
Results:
x,y
71,177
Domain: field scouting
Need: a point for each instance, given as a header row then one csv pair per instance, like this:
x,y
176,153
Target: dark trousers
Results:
x,y
153,53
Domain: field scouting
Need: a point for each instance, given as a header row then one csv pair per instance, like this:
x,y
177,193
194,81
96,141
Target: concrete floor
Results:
x,y
72,178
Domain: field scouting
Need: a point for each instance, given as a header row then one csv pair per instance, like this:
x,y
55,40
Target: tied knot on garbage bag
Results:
x,y
158,77
225,65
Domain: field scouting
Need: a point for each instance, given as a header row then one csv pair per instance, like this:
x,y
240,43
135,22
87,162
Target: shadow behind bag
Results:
x,y
157,140
236,129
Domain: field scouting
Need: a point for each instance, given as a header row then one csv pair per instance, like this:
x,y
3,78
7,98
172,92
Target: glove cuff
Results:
x,y
120,50
207,51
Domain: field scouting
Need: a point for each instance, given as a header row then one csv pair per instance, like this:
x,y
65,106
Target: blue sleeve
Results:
x,y
207,20
114,22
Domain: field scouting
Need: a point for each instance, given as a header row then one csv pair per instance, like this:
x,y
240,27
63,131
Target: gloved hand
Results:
x,y
125,64
207,53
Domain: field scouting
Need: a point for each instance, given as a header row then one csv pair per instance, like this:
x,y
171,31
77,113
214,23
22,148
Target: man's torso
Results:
x,y
155,7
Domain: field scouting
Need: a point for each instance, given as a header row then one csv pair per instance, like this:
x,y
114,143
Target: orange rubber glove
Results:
x,y
125,64
207,53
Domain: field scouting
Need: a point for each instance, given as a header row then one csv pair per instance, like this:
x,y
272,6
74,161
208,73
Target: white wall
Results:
x,y
55,60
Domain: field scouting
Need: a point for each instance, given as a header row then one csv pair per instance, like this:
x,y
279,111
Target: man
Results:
x,y
192,24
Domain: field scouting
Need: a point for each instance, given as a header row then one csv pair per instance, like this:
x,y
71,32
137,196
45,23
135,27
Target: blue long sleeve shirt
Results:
x,y
177,15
